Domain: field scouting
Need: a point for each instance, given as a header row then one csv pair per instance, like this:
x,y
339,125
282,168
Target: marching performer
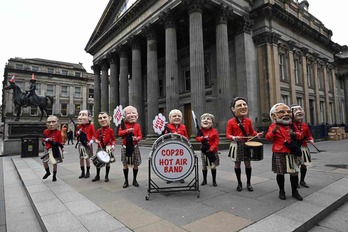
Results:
x,y
280,133
85,137
298,113
238,129
209,138
176,127
130,132
53,146
105,138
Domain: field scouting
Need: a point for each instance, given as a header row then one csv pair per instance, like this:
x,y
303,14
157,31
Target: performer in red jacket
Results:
x,y
299,114
280,133
53,146
105,138
130,132
238,130
209,138
85,138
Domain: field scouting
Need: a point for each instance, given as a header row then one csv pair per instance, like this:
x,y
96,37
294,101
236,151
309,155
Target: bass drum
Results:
x,y
172,157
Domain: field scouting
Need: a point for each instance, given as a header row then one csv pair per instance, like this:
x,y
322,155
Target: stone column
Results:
x,y
316,89
305,85
224,93
104,101
124,97
291,66
172,76
328,113
196,58
97,107
114,84
152,81
136,97
338,101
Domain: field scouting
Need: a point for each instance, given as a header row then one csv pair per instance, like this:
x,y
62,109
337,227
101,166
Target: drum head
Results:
x,y
253,144
172,158
103,156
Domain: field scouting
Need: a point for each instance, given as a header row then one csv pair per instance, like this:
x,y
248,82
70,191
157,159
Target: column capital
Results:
x,y
245,24
291,45
96,68
104,64
149,32
167,19
122,51
266,37
134,42
194,5
304,51
224,13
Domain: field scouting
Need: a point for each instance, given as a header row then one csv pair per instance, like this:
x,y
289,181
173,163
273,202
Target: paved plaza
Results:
x,y
28,203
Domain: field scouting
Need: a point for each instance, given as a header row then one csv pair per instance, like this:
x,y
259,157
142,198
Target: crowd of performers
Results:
x,y
288,133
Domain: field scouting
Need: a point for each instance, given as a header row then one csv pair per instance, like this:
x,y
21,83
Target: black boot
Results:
x,y
294,182
54,178
303,175
248,174
280,182
82,172
47,173
204,182
135,173
213,173
87,173
238,172
97,177
125,173
107,169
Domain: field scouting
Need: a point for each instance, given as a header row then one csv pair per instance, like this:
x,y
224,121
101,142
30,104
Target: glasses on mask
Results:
x,y
283,112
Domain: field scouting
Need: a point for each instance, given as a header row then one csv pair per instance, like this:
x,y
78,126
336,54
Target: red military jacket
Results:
x,y
232,128
280,136
56,135
213,138
137,132
88,129
303,127
181,129
105,137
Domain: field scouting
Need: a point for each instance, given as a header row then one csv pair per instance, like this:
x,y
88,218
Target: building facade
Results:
x,y
199,54
69,84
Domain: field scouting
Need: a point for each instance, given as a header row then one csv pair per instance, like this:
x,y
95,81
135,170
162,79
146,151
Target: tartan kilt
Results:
x,y
136,156
240,152
205,160
82,149
279,163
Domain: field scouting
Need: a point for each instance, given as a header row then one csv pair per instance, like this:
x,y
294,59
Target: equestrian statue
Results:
x,y
29,98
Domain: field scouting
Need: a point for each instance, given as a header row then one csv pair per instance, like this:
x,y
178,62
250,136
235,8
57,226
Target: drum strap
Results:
x,y
241,127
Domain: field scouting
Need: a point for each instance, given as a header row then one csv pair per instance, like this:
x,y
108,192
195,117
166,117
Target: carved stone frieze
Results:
x,y
266,37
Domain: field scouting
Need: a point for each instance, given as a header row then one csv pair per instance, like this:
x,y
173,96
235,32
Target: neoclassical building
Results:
x,y
198,54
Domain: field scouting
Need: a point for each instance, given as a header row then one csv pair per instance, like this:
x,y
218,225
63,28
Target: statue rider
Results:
x,y
31,93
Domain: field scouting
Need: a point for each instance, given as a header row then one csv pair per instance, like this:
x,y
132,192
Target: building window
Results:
x,y
90,107
50,70
161,88
90,93
299,101
77,109
65,72
35,68
77,74
310,75
64,91
187,81
64,109
322,111
282,67
329,79
321,78
33,111
77,91
19,66
297,71
285,99
50,90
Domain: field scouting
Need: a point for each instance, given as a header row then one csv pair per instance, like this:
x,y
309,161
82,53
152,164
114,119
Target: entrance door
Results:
x,y
188,118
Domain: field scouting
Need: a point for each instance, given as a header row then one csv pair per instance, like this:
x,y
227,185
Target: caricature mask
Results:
x,y
104,119
298,113
175,117
281,114
52,122
130,114
84,117
207,120
240,107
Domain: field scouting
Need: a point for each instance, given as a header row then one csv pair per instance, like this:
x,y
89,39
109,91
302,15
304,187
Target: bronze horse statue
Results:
x,y
20,99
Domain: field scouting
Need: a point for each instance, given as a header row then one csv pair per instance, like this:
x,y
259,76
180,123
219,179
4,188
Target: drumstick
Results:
x,y
252,137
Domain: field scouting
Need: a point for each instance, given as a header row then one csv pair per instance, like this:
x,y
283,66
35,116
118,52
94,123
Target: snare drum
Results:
x,y
253,150
100,159
172,157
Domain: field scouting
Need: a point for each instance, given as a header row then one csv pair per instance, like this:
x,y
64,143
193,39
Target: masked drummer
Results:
x,y
130,132
298,114
53,146
176,127
209,138
105,138
85,137
278,132
239,129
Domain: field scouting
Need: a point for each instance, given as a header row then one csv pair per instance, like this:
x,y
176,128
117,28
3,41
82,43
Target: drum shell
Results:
x,y
253,151
98,160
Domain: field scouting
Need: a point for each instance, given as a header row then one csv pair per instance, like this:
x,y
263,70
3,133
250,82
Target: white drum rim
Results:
x,y
105,155
161,145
